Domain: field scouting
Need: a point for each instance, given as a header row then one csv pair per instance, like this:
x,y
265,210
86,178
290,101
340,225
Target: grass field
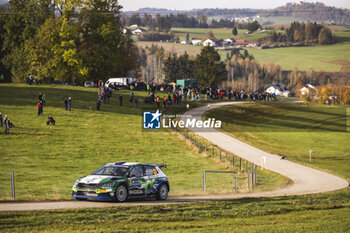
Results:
x,y
48,159
329,58
316,213
308,213
292,130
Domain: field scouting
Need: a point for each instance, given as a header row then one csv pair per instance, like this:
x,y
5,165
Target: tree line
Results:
x,y
165,23
301,33
65,40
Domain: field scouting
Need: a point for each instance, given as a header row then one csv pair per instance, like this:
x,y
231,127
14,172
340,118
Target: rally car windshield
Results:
x,y
111,171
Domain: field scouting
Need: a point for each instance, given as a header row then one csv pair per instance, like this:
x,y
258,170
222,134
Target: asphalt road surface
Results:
x,y
305,180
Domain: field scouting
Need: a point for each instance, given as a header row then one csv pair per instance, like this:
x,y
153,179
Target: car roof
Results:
x,y
135,163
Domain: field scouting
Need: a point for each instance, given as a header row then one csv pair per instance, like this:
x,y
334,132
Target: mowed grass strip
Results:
x,y
309,213
48,159
293,129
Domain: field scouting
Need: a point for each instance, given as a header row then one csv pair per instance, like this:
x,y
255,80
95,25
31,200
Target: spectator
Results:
x,y
66,104
109,94
164,102
50,120
158,101
69,103
1,120
135,102
131,96
98,104
40,96
40,108
44,100
7,124
120,100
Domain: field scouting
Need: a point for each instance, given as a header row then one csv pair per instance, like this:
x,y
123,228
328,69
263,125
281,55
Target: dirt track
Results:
x,y
305,180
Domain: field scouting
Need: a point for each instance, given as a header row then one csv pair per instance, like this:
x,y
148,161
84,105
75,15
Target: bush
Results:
x,y
156,36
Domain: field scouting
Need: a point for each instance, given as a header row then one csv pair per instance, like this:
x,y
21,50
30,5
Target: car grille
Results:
x,y
87,186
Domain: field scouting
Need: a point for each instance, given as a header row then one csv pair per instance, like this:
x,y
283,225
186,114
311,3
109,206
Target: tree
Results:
x,y
188,36
209,34
209,70
234,31
325,36
171,68
254,26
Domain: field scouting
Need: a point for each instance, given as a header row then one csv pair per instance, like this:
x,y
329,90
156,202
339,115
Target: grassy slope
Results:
x,y
317,213
330,58
292,130
48,159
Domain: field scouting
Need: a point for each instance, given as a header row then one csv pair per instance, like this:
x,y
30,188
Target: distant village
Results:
x,y
228,43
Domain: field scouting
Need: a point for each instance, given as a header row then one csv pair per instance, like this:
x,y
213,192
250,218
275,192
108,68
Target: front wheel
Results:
x,y
162,192
121,194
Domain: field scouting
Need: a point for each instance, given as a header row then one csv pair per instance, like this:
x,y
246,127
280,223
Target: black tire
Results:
x,y
162,193
121,194
80,199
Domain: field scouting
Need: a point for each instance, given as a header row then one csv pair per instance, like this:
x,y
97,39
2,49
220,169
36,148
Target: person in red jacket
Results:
x,y
40,108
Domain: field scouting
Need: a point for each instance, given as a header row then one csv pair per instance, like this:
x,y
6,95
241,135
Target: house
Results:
x,y
278,90
138,31
126,30
244,43
229,41
196,41
307,89
184,42
211,41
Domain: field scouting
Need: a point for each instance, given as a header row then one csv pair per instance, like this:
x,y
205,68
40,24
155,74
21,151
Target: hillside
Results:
x,y
306,11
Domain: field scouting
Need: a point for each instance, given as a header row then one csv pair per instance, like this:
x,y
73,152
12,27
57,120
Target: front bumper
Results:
x,y
92,194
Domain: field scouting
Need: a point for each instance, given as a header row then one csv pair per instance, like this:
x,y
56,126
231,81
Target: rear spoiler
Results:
x,y
160,165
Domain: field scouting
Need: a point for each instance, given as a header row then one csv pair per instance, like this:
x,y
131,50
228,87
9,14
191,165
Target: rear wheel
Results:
x,y
80,199
121,194
162,193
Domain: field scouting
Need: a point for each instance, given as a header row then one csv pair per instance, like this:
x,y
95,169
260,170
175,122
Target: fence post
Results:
x,y
204,181
248,180
13,184
236,182
246,166
233,160
252,171
213,151
240,164
256,173
205,148
220,154
199,147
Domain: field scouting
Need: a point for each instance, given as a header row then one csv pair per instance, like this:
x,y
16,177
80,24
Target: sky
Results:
x,y
130,5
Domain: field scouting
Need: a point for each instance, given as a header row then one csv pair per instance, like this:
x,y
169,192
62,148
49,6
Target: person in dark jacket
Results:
x,y
1,120
39,106
50,120
98,104
66,104
69,101
120,100
7,124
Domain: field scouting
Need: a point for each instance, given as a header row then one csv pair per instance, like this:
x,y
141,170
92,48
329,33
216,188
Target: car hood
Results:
x,y
95,179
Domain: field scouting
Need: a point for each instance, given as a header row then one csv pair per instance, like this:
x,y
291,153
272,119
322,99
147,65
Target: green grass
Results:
x,y
328,58
293,129
48,159
316,213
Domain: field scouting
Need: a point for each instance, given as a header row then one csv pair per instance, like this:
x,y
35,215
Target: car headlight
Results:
x,y
76,183
110,184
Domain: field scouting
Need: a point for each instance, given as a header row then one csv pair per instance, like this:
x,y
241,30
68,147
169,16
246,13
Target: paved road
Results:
x,y
305,180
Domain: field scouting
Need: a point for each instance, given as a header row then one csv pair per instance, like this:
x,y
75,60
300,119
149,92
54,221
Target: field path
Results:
x,y
305,180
